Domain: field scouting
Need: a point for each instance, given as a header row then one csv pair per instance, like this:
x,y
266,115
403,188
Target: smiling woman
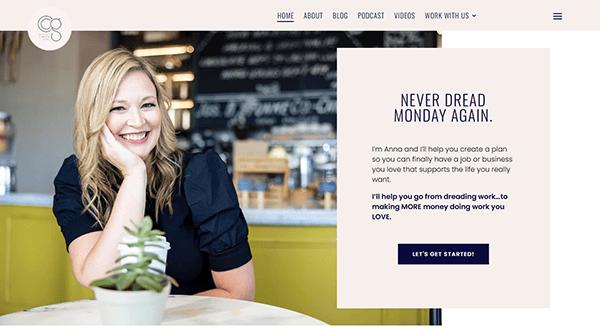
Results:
x,y
127,165
135,117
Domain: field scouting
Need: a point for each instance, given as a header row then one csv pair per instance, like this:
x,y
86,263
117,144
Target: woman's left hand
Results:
x,y
118,155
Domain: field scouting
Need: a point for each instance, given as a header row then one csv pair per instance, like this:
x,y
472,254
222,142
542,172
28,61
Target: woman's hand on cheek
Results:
x,y
117,154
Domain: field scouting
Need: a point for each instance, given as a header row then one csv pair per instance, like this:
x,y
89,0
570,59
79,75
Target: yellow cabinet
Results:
x,y
35,269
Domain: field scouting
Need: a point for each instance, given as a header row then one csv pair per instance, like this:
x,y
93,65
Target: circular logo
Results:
x,y
49,28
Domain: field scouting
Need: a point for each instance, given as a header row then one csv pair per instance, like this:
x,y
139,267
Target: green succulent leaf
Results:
x,y
125,256
164,276
156,270
105,282
137,244
129,267
150,256
148,283
144,262
154,244
155,277
126,280
157,231
145,226
130,231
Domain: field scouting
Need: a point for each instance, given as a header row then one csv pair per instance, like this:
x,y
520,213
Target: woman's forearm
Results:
x,y
95,254
219,292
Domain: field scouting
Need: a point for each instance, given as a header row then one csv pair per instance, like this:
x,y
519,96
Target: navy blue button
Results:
x,y
442,254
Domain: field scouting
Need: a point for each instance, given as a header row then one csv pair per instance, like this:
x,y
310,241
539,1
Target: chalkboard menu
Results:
x,y
264,78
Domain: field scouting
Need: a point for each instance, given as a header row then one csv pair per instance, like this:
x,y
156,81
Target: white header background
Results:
x,y
261,14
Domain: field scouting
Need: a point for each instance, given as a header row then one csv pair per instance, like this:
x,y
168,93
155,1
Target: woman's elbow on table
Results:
x,y
84,270
80,275
238,283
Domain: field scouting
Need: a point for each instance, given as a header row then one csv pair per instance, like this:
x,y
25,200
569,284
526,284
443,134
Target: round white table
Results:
x,y
180,309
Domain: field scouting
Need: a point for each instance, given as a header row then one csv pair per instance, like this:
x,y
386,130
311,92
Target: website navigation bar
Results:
x,y
464,15
456,18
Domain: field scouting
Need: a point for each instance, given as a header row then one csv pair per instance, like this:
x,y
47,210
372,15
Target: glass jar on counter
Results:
x,y
306,165
6,133
7,155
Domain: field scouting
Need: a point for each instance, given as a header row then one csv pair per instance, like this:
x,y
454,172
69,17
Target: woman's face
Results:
x,y
134,117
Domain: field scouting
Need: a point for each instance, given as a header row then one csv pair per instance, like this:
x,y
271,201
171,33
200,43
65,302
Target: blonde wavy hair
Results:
x,y
99,178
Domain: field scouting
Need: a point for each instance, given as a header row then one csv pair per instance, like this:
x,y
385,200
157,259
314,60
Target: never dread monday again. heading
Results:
x,y
466,107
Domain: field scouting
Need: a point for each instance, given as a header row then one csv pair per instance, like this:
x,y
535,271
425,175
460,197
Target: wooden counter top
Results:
x,y
290,212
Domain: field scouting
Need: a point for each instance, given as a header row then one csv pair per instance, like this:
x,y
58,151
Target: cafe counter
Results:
x,y
293,246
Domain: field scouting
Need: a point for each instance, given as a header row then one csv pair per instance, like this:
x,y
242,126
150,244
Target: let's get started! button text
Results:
x,y
443,254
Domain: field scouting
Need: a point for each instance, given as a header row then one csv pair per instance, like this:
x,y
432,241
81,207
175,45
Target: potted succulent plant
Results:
x,y
136,291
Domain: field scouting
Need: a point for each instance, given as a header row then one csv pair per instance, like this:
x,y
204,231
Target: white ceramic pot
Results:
x,y
131,307
159,248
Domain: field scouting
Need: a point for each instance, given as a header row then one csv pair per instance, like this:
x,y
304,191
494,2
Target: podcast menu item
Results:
x,y
443,178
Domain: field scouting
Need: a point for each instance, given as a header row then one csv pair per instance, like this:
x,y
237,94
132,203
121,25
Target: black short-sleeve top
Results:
x,y
207,230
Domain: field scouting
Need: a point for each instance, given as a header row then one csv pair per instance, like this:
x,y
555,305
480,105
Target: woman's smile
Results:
x,y
135,138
